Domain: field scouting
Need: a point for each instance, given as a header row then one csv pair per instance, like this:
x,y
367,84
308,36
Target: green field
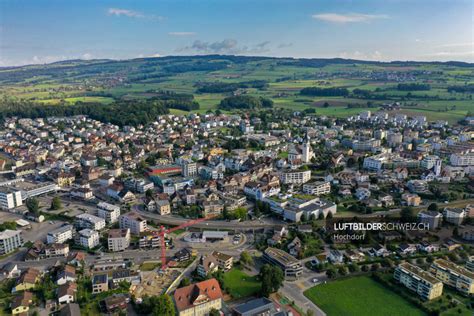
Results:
x,y
96,81
239,284
359,296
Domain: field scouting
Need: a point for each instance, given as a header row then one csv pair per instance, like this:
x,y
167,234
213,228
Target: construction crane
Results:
x,y
163,231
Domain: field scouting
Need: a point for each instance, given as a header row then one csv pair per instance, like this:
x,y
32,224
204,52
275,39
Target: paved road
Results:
x,y
215,224
293,290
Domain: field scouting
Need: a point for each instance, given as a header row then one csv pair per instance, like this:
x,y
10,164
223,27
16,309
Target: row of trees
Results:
x,y
325,92
120,112
413,87
469,88
245,102
224,87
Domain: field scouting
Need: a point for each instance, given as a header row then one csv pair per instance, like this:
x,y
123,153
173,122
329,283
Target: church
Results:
x,y
302,153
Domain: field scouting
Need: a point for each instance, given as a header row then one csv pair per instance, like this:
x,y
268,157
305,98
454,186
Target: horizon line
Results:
x,y
233,55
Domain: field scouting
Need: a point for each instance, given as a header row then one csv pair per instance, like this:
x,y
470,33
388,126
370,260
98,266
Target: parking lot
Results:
x,y
38,231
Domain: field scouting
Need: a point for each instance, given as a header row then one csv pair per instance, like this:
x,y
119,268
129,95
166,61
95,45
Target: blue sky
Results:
x,y
41,31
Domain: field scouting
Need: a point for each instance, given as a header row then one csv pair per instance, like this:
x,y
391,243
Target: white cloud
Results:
x,y
226,46
454,54
132,14
348,18
149,55
125,12
375,55
87,56
182,33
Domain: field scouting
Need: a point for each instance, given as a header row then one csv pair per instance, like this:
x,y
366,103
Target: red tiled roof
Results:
x,y
196,294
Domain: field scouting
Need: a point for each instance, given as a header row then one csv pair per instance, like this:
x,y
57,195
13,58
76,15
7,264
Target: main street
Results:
x,y
293,290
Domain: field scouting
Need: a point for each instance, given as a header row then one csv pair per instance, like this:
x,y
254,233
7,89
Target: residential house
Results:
x,y
66,274
21,303
67,293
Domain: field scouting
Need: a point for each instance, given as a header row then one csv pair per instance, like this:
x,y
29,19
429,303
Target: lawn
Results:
x,y
239,284
359,296
149,266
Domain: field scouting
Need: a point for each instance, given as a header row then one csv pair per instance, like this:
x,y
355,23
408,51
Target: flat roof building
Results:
x,y
9,241
419,281
292,267
453,275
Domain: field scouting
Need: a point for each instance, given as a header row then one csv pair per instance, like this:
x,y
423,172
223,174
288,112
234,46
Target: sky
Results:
x,y
44,31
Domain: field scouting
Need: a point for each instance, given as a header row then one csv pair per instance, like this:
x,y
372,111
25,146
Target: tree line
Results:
x,y
324,92
129,112
245,102
413,87
224,87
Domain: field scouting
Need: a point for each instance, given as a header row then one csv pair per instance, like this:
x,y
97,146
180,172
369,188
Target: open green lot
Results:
x,y
149,266
239,284
359,296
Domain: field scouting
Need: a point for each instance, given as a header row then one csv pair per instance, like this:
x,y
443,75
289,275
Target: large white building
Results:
x,y
462,160
133,221
429,161
317,188
90,221
108,211
376,162
10,198
189,168
60,235
88,238
9,241
295,176
419,281
118,239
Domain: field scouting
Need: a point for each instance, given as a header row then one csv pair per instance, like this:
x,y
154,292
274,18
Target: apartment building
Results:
x,y
470,264
109,212
431,218
317,188
295,176
100,283
375,163
453,275
462,160
419,281
134,222
118,239
90,221
291,266
88,238
10,198
189,168
411,199
454,215
224,261
9,241
60,235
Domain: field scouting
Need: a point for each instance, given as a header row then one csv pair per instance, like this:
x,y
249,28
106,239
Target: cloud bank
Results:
x,y
131,14
226,46
348,18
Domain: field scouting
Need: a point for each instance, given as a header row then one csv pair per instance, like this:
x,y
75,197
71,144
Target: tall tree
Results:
x,y
407,214
245,258
56,203
32,205
272,278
